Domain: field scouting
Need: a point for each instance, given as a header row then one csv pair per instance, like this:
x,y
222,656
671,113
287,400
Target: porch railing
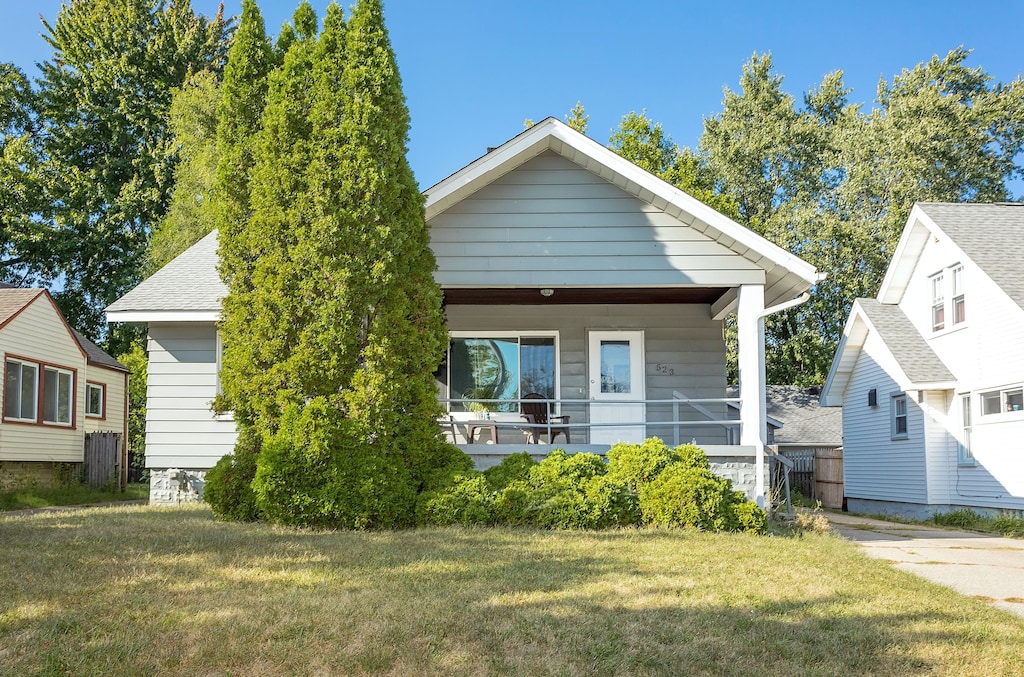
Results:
x,y
667,414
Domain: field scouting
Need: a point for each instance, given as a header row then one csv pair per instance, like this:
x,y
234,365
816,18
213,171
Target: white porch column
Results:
x,y
750,343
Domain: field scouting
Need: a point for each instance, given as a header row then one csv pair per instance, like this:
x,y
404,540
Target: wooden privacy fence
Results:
x,y
817,473
102,459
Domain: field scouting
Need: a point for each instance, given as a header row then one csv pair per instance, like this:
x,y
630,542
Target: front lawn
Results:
x,y
34,496
139,590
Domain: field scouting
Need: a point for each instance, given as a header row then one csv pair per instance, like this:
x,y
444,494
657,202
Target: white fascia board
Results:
x,y
551,133
163,316
918,229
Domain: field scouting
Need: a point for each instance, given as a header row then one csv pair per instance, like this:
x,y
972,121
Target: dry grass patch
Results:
x,y
158,591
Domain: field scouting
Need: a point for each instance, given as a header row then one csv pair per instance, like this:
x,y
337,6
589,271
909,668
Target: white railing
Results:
x,y
514,419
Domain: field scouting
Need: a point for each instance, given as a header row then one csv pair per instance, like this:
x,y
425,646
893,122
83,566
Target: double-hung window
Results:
x,y
21,390
94,400
965,455
58,395
948,307
495,371
898,416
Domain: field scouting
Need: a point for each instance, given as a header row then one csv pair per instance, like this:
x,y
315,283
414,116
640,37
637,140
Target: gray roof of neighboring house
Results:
x,y
804,420
991,235
915,357
95,355
189,282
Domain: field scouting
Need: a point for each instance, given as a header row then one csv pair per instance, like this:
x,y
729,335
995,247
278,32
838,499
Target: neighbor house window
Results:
x,y
966,457
58,395
938,303
21,394
94,400
500,368
947,298
999,401
898,416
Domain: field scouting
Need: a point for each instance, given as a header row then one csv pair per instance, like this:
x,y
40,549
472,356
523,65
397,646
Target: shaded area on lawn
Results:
x,y
161,591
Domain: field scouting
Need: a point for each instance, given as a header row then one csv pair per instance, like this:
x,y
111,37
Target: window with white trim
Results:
x,y
503,367
898,416
948,305
1004,400
965,455
94,400
58,395
21,390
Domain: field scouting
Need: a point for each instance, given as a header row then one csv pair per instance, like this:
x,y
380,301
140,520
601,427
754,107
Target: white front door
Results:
x,y
616,373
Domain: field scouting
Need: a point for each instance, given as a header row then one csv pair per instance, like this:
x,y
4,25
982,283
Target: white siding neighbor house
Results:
x,y
58,386
930,375
569,275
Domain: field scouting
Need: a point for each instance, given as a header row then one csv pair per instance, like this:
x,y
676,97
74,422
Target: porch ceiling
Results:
x,y
582,295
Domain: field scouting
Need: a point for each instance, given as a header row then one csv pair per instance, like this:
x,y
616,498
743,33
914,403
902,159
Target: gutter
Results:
x,y
786,305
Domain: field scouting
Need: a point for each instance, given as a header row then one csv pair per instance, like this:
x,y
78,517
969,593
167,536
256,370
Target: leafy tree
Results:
x,y
138,364
23,240
835,185
103,105
190,214
577,118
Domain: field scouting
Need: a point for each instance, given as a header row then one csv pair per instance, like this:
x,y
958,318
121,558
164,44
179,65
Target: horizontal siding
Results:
x,y
550,223
874,465
941,446
113,383
680,338
38,333
997,478
180,427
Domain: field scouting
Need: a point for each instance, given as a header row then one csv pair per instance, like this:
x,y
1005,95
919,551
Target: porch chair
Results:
x,y
537,417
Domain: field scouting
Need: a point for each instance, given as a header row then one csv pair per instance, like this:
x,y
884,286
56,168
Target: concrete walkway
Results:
x,y
989,568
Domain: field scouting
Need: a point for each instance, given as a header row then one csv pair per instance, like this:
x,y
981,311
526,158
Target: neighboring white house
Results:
x,y
930,374
58,386
568,272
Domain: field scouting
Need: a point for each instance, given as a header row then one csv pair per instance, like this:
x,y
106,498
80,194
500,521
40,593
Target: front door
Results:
x,y
616,373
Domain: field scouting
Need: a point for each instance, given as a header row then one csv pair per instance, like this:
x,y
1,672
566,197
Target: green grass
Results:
x,y
31,496
147,591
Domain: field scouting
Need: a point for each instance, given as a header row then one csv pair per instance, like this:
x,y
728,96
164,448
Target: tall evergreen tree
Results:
x,y
103,106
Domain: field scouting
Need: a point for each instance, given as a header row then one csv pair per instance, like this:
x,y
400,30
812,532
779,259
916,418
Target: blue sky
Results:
x,y
474,70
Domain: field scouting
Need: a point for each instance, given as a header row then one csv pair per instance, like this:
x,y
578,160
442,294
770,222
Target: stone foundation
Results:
x,y
175,486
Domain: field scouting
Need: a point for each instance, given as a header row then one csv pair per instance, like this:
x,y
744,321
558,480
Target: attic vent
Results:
x,y
873,397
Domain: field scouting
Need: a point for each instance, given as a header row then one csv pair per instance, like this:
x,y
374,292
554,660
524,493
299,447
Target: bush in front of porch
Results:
x,y
645,484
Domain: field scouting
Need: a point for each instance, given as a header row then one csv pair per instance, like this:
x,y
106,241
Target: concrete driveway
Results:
x,y
989,568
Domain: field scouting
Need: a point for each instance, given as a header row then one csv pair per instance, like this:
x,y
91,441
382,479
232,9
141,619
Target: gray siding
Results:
x,y
682,339
874,465
181,430
552,223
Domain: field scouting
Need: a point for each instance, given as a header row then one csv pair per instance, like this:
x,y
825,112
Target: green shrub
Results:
x,y
638,464
468,500
684,496
450,463
748,516
692,456
514,467
228,486
571,491
315,472
515,505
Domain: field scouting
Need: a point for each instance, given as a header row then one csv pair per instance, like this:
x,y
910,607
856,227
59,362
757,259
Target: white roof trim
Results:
x,y
163,316
551,134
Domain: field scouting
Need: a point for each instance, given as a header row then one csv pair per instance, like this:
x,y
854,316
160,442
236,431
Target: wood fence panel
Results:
x,y
103,459
828,477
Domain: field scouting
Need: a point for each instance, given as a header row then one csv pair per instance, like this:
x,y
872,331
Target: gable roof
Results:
x,y
798,417
921,367
13,300
786,275
990,235
95,355
188,288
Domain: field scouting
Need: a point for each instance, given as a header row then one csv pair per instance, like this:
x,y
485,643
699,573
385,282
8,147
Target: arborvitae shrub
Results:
x,y
684,496
313,473
638,464
228,488
513,467
468,500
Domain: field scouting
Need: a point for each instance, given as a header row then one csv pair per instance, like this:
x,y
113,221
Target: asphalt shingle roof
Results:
x,y
915,357
189,282
991,235
804,420
95,354
13,299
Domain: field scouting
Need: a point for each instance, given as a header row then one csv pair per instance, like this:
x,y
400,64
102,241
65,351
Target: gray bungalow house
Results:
x,y
569,275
